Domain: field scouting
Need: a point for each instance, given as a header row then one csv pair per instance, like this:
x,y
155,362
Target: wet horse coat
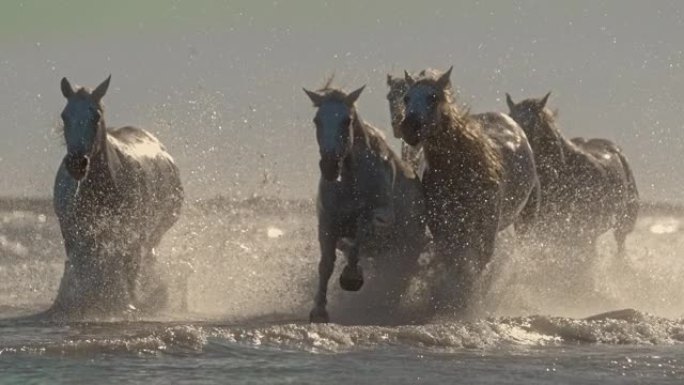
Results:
x,y
365,195
480,178
116,193
587,185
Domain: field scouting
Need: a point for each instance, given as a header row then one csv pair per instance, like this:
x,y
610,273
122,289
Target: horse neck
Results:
x,y
102,172
445,147
360,142
459,147
553,149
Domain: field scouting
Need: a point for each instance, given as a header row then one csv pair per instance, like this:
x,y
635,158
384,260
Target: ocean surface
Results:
x,y
242,276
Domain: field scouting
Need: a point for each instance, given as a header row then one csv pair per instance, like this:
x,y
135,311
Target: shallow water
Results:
x,y
253,267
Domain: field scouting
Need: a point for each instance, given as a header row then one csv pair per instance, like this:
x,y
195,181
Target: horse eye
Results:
x,y
346,121
406,98
317,121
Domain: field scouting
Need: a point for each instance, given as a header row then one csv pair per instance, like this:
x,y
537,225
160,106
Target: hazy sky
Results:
x,y
220,81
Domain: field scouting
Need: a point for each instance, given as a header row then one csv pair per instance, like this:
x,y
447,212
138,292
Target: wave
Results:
x,y
627,327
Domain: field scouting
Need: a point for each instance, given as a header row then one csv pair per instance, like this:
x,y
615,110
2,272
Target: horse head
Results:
x,y
423,102
539,125
397,89
334,120
536,120
531,115
84,127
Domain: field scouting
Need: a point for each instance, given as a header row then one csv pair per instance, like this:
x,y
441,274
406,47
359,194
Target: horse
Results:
x,y
116,193
366,196
587,185
412,155
480,179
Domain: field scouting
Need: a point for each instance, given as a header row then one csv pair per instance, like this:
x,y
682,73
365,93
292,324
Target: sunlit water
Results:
x,y
252,267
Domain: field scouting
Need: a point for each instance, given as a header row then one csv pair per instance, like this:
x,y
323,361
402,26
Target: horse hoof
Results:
x,y
319,316
351,279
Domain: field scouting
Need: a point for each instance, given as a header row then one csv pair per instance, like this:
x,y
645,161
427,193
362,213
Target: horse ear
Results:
x,y
389,80
445,79
351,98
67,89
509,101
101,90
316,98
542,102
409,79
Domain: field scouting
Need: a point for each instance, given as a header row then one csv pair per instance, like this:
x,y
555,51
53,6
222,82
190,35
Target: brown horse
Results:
x,y
480,178
587,185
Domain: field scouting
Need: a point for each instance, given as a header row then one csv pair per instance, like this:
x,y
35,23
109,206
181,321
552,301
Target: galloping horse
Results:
x,y
366,195
116,193
587,185
480,178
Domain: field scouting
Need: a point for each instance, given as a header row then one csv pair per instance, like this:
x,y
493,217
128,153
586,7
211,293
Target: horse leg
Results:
x,y
625,225
132,271
351,278
621,239
627,220
325,269
528,216
153,287
481,241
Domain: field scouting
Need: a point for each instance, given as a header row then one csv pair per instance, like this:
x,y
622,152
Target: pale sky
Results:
x,y
220,81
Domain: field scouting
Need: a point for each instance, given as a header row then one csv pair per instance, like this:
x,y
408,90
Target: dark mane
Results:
x,y
377,142
330,93
328,83
548,118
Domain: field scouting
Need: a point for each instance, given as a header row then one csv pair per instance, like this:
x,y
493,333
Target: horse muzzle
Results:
x,y
330,167
77,165
411,129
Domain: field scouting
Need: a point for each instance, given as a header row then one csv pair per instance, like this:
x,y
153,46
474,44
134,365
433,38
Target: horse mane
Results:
x,y
474,144
376,140
548,118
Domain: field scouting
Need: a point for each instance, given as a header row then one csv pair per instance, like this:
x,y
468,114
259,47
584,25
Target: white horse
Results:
x,y
116,193
366,194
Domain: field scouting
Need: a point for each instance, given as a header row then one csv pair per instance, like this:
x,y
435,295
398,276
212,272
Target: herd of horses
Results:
x,y
460,180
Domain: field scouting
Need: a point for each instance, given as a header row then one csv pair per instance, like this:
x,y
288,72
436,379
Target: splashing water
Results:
x,y
243,272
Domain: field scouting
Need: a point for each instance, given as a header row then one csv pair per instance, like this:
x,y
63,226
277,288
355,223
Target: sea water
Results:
x,y
241,317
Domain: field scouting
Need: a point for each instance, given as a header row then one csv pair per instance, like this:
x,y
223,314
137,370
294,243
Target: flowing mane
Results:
x,y
467,132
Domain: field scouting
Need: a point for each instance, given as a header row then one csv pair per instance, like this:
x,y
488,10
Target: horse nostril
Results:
x,y
412,118
77,165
